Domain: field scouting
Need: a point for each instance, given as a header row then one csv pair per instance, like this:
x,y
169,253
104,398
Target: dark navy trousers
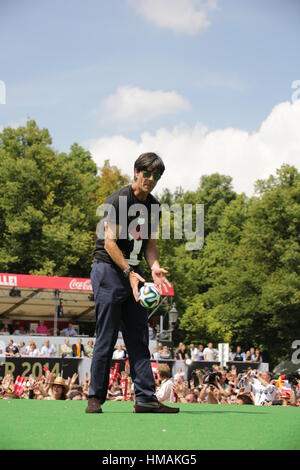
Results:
x,y
116,309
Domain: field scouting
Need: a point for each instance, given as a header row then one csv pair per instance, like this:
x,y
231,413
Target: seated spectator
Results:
x,y
48,349
66,350
21,348
119,353
252,354
238,356
181,353
32,350
89,348
69,331
155,354
258,356
78,349
209,353
165,391
165,353
193,352
41,328
200,355
248,356
4,329
19,329
11,350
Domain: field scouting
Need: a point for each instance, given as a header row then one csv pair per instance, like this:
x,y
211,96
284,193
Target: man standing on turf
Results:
x,y
115,279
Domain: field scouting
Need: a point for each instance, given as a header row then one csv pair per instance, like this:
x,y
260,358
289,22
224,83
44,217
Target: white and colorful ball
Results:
x,y
149,296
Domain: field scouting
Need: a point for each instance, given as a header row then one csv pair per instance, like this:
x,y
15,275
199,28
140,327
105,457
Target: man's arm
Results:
x,y
152,258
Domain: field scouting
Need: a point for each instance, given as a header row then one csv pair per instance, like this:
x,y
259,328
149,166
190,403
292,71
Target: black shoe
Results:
x,y
154,408
94,405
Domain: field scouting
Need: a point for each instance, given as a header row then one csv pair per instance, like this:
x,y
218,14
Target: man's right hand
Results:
x,y
134,279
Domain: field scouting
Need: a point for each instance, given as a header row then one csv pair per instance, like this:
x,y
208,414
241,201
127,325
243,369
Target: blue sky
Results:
x,y
61,61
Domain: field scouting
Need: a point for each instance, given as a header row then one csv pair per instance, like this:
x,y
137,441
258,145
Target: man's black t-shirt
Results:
x,y
137,221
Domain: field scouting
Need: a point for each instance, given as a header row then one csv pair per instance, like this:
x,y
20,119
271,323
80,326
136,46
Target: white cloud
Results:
x,y
134,106
189,153
183,16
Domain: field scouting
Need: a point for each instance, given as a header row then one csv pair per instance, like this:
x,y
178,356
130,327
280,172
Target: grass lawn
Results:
x,y
53,425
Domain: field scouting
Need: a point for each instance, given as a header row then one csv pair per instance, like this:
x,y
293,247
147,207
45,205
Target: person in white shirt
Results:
x,y
69,331
48,349
263,390
209,353
66,350
179,376
21,348
193,352
155,354
165,391
151,331
32,350
119,353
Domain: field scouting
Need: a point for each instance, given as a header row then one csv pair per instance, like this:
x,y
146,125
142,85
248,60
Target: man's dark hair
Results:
x,y
149,161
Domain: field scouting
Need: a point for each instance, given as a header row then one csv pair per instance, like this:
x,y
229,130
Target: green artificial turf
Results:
x,y
49,425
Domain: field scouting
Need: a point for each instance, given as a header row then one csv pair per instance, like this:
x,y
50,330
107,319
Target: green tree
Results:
x,y
47,204
109,180
254,265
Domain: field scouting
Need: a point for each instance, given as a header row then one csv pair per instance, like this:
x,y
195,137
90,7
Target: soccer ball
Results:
x,y
148,295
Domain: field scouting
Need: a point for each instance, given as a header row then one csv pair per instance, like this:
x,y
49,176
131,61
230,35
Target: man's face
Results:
x,y
47,343
147,179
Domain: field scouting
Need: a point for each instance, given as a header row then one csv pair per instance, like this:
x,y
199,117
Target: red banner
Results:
x,y
31,281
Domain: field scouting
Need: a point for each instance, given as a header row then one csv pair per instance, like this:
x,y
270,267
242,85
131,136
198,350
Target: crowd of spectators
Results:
x,y
159,353
201,353
216,386
41,329
182,352
67,349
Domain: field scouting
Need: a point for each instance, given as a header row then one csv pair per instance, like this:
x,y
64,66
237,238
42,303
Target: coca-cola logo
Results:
x,y
80,285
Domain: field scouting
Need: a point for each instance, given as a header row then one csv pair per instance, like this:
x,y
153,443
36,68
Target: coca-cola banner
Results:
x,y
30,281
44,282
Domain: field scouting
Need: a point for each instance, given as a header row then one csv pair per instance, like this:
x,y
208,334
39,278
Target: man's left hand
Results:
x,y
159,277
